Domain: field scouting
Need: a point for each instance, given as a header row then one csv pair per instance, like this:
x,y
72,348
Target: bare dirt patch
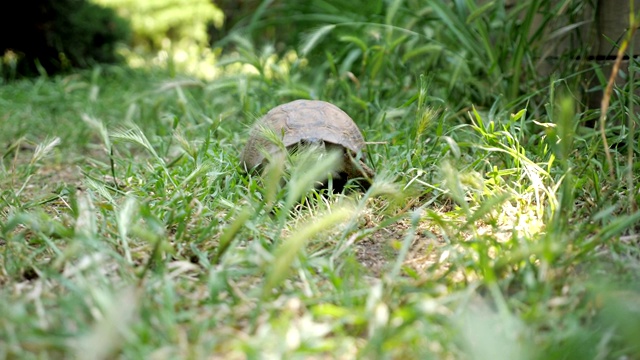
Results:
x,y
378,252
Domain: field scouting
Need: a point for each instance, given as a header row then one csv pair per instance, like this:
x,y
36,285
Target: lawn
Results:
x,y
495,227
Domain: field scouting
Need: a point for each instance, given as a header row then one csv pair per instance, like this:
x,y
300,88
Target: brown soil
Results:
x,y
378,251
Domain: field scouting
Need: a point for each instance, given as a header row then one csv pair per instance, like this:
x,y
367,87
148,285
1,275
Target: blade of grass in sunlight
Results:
x,y
113,328
312,39
125,219
230,233
289,249
564,135
136,136
454,186
309,167
43,149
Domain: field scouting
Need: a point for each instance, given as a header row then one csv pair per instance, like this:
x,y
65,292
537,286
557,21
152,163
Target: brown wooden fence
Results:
x,y
600,27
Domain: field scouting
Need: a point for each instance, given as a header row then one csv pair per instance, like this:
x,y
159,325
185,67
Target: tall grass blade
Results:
x,y
230,233
312,39
136,136
43,149
606,97
113,328
125,219
290,248
309,167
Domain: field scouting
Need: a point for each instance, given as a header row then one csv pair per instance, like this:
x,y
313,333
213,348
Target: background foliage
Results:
x,y
181,21
51,36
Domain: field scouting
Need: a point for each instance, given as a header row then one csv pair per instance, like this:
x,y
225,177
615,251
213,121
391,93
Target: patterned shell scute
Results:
x,y
300,120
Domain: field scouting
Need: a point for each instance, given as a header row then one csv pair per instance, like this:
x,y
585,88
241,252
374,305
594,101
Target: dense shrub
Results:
x,y
289,21
462,48
154,21
57,35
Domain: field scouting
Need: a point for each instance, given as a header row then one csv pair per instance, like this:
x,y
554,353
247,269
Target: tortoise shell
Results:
x,y
303,121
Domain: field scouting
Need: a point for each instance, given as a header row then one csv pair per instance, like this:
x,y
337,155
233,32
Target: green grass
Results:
x,y
492,229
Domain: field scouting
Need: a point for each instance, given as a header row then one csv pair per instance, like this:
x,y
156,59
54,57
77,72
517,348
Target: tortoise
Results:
x,y
305,122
